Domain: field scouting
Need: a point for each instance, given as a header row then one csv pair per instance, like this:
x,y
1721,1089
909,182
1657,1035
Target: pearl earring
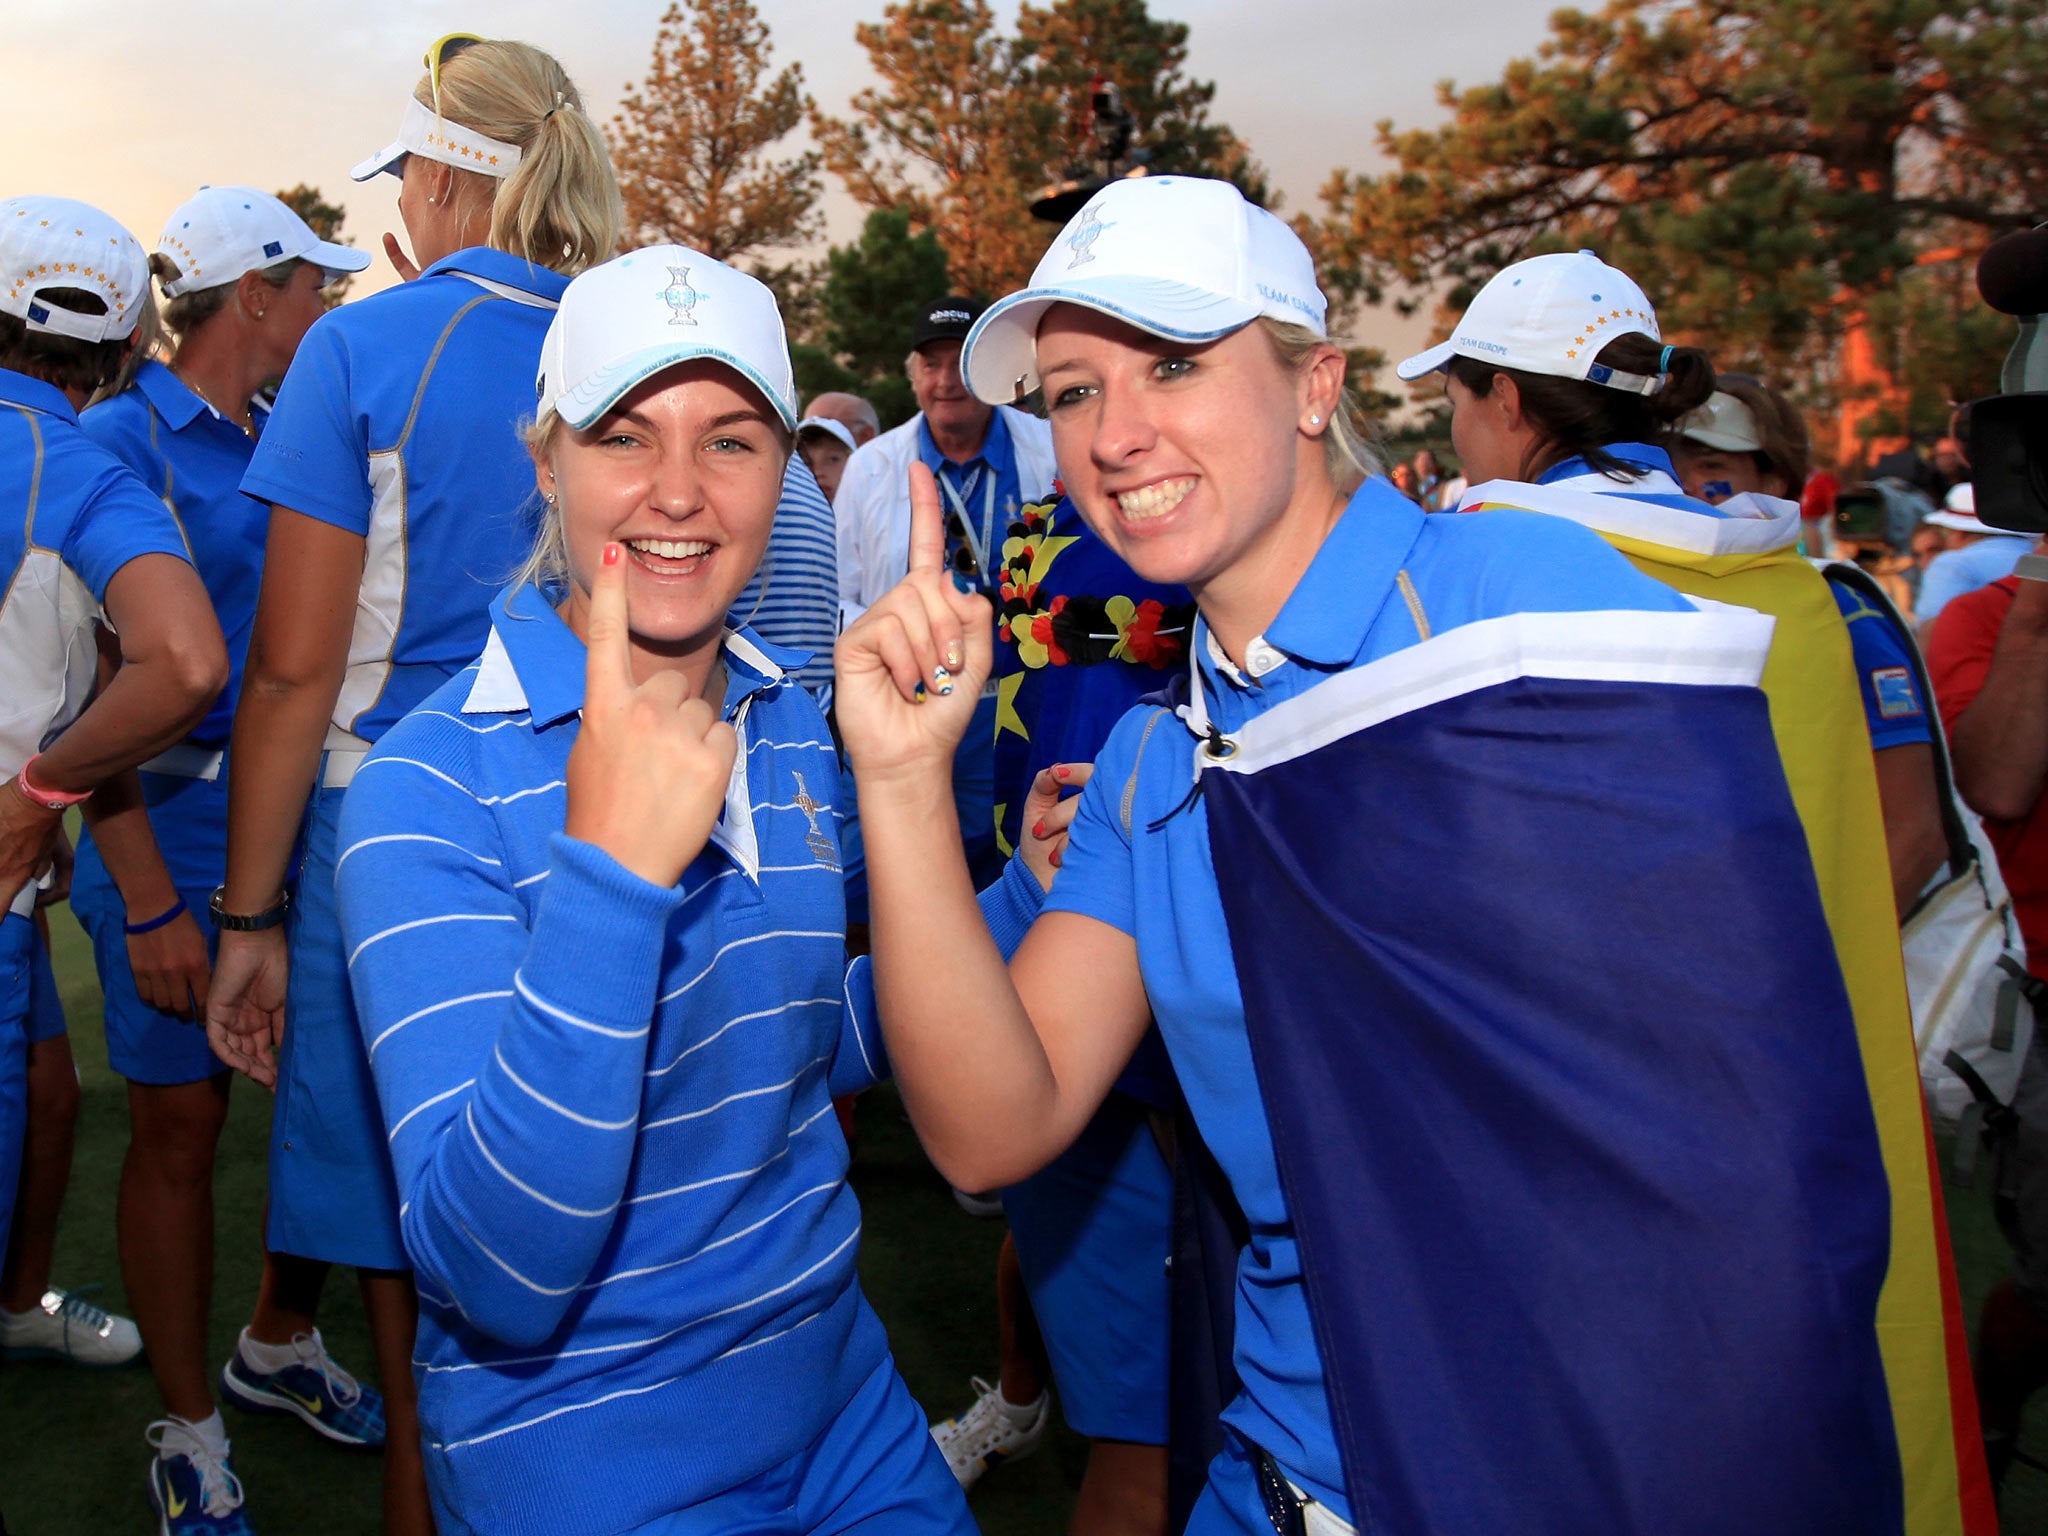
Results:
x,y
551,498
1315,421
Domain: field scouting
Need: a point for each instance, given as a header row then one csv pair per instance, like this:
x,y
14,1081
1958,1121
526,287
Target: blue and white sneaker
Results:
x,y
195,1491
320,1392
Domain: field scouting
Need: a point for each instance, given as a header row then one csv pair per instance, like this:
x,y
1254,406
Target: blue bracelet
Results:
x,y
177,911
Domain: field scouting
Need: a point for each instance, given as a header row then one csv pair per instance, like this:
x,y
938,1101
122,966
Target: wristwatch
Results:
x,y
246,922
2032,568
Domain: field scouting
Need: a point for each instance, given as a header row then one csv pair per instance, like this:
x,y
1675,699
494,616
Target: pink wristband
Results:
x,y
48,799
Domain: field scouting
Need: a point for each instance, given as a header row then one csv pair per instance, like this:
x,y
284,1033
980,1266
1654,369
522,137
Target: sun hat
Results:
x,y
1959,511
57,242
1724,422
838,430
221,232
623,322
1551,315
423,132
1182,257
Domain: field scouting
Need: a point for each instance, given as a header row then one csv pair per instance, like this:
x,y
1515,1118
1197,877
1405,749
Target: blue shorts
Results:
x,y
1231,1504
1093,1230
45,1003
874,1471
143,1045
332,1194
18,946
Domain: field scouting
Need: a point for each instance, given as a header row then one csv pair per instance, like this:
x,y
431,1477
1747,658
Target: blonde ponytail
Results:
x,y
560,208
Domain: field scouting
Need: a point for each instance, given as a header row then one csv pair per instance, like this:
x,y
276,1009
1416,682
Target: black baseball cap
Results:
x,y
947,319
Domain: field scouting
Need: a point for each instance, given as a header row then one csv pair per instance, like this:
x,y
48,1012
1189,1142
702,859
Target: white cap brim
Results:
x,y
1727,442
836,429
386,159
590,399
1000,358
1962,522
1424,363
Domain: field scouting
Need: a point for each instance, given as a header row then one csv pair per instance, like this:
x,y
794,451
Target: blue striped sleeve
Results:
x,y
508,1057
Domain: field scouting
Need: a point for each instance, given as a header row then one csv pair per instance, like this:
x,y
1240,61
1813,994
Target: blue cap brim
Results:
x,y
1000,358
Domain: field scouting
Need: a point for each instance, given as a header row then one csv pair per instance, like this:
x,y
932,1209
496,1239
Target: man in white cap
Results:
x,y
825,443
1977,554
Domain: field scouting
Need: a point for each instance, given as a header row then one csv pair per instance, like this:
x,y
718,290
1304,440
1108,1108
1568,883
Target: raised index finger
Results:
x,y
927,522
608,670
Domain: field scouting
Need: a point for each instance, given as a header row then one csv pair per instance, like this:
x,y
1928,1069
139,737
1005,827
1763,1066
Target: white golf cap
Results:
x,y
422,132
1178,256
222,232
837,429
1550,314
1959,511
625,321
55,242
1724,422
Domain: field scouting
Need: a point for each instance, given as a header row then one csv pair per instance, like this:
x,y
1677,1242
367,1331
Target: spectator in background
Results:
x,y
1428,476
989,461
854,412
1403,476
1749,438
1976,554
1988,658
825,445
1451,491
793,596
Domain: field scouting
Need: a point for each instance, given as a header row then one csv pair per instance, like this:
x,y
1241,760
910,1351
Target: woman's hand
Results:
x,y
172,972
27,831
245,1002
648,773
406,268
1048,819
909,672
63,860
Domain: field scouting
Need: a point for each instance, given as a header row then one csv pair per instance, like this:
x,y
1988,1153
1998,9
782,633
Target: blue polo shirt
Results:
x,y
71,515
1955,571
400,422
1892,701
194,459
1387,576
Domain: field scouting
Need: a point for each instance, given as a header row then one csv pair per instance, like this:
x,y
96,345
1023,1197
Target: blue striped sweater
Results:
x,y
609,1104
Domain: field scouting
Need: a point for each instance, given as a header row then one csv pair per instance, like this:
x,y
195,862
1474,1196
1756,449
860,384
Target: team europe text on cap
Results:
x,y
623,322
1177,256
1552,315
222,232
54,243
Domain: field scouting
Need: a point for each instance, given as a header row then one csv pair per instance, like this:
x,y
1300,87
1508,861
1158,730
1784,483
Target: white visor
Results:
x,y
420,132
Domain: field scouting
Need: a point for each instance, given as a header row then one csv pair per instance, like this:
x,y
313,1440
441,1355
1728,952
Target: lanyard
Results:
x,y
979,548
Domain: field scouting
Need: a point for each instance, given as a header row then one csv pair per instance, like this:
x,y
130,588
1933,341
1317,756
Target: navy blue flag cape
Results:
x,y
1563,1082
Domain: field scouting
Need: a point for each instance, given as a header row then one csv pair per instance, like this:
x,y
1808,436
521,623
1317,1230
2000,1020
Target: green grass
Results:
x,y
74,1458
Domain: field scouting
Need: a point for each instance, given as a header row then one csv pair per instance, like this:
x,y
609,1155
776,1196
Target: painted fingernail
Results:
x,y
944,680
1038,829
953,656
917,697
1057,858
1059,770
612,552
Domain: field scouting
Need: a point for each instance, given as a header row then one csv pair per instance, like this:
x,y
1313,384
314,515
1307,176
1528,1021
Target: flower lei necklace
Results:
x,y
1074,630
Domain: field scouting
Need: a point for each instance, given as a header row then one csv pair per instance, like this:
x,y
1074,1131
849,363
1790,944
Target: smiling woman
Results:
x,y
592,899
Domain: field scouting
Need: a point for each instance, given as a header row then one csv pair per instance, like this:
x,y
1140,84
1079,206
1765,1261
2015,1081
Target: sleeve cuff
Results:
x,y
597,934
1011,906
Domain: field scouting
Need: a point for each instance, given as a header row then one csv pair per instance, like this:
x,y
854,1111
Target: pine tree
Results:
x,y
692,144
1767,168
324,219
869,302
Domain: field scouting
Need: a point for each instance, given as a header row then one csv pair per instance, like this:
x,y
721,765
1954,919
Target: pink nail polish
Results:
x,y
612,553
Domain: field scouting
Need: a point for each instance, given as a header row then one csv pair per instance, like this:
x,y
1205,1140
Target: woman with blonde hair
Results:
x,y
242,277
399,495
1552,1225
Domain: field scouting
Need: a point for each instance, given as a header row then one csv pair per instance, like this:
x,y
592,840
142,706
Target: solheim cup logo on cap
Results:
x,y
1087,231
681,297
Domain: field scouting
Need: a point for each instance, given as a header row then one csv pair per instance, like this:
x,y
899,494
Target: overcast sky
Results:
x,y
133,104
